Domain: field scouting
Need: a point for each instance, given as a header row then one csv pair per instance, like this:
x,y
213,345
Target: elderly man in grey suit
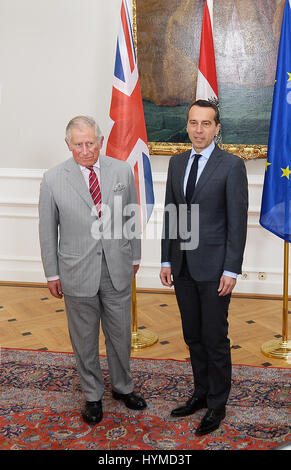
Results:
x,y
90,251
204,268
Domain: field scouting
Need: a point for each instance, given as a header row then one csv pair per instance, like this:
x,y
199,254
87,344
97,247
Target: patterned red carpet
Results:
x,y
41,400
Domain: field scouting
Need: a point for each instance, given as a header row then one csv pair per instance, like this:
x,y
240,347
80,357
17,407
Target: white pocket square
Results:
x,y
119,187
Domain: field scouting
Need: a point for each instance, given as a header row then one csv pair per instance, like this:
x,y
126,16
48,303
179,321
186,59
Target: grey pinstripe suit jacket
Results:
x,y
68,248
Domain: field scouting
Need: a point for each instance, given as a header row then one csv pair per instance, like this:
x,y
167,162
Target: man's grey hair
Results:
x,y
82,121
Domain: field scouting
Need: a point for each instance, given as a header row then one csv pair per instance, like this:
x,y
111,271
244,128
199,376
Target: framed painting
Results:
x,y
246,38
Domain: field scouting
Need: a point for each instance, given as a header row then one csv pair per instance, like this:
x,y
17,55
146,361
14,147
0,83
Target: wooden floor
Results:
x,y
31,319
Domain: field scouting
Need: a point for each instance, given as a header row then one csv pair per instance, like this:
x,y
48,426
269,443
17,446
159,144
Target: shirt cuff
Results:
x,y
225,273
136,261
230,274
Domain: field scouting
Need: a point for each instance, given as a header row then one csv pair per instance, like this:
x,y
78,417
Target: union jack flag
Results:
x,y
128,138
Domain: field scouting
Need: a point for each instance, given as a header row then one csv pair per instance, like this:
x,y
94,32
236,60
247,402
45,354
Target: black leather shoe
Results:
x,y
210,422
92,413
192,405
131,400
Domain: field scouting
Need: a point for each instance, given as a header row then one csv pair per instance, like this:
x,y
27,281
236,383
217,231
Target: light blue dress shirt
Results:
x,y
205,154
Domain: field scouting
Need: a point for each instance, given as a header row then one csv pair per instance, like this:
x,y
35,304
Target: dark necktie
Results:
x,y
192,179
95,191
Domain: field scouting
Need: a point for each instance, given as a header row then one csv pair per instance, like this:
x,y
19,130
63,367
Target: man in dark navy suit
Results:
x,y
204,272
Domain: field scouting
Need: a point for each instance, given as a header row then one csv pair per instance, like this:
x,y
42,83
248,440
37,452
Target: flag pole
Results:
x,y
147,338
139,339
277,195
127,139
281,349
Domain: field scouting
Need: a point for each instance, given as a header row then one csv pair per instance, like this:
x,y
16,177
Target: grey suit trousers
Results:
x,y
113,308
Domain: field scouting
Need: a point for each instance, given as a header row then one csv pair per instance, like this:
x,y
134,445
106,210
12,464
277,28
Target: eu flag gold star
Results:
x,y
267,164
286,172
289,79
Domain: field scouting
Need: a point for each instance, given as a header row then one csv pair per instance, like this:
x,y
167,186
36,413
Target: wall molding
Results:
x,y
144,290
22,173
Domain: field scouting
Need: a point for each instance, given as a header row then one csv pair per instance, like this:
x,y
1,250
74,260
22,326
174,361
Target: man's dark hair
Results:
x,y
206,104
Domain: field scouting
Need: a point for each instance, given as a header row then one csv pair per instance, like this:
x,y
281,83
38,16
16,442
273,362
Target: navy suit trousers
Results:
x,y
204,317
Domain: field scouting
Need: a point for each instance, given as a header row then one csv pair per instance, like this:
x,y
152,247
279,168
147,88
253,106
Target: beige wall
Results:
x,y
56,61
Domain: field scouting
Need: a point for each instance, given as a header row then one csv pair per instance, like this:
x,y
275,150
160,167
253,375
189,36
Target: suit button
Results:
x,y
99,253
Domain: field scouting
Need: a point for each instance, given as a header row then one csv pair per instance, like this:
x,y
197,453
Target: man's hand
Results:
x,y
226,285
135,269
55,288
166,277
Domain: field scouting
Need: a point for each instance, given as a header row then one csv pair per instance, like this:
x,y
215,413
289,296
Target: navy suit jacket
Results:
x,y
221,194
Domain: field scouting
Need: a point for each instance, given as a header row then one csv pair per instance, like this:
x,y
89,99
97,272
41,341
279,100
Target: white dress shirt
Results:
x,y
86,173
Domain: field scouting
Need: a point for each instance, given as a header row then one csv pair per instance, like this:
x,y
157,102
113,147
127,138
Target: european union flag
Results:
x,y
276,200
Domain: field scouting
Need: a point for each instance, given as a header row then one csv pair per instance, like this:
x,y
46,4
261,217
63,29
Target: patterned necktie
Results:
x,y
192,179
95,190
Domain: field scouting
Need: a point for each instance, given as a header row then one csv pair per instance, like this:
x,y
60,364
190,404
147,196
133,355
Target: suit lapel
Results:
x,y
208,170
182,168
76,179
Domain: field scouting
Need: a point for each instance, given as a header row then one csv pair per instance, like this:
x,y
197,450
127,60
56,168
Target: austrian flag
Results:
x,y
128,138
207,88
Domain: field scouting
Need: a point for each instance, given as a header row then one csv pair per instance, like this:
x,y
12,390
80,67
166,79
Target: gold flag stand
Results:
x,y
281,349
139,339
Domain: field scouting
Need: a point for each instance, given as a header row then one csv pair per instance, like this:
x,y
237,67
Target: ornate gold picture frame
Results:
x,y
246,150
